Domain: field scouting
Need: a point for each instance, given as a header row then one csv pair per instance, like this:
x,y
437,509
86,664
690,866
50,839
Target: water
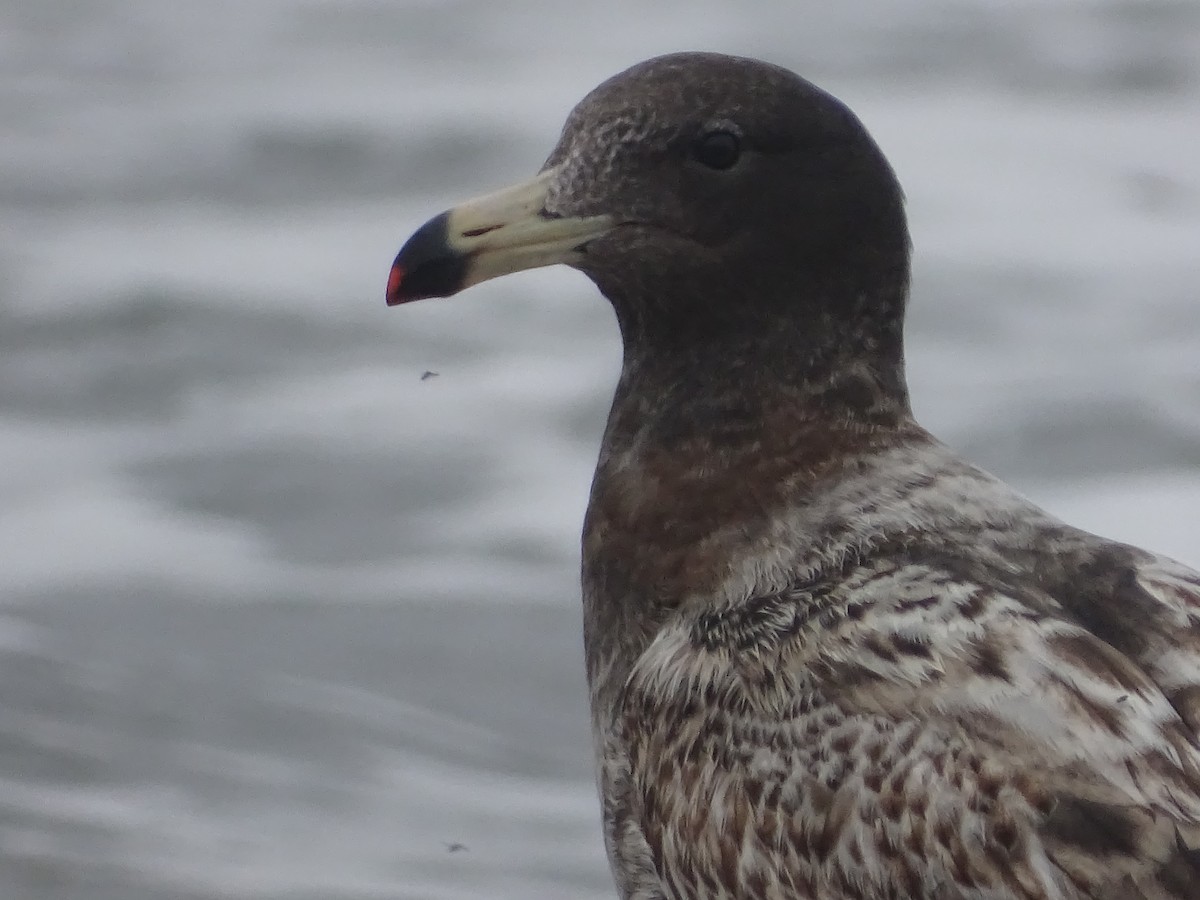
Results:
x,y
281,617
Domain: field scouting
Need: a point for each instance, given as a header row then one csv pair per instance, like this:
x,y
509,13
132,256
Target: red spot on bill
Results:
x,y
395,277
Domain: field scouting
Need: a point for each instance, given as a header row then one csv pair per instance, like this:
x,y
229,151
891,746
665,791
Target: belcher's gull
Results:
x,y
828,659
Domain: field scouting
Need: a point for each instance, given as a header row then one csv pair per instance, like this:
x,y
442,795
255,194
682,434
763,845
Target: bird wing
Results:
x,y
903,728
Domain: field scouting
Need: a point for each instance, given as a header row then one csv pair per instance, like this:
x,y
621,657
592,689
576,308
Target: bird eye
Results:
x,y
717,149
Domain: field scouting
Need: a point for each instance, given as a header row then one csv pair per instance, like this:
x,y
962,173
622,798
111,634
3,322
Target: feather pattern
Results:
x,y
935,690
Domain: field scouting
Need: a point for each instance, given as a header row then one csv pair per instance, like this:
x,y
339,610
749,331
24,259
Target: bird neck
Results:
x,y
710,356
703,449
726,384
689,449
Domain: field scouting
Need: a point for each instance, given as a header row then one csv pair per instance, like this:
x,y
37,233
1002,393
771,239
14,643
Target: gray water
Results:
x,y
282,618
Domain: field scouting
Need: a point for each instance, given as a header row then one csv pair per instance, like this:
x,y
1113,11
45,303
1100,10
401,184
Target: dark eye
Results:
x,y
717,149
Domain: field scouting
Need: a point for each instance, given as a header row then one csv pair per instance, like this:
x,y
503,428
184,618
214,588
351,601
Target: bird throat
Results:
x,y
696,462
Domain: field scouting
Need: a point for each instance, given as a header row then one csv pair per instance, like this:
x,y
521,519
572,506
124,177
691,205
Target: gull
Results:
x,y
828,658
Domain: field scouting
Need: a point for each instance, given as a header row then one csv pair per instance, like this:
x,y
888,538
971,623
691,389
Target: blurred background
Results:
x,y
288,601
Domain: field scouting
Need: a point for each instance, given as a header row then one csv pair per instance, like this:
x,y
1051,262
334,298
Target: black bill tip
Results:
x,y
427,266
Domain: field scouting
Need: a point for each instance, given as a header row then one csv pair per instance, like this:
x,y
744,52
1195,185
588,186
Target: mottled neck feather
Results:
x,y
705,445
720,350
726,367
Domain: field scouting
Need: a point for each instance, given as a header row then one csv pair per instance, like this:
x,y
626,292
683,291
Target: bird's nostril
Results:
x,y
476,232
